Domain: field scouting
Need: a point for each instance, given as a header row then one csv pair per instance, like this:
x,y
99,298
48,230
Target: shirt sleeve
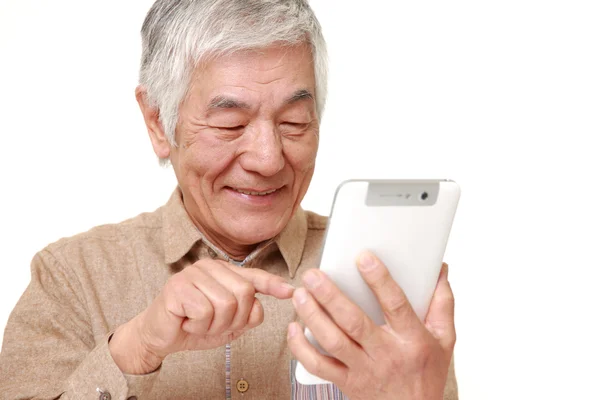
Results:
x,y
49,348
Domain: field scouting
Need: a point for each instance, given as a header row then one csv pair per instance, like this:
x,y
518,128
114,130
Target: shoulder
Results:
x,y
108,241
125,230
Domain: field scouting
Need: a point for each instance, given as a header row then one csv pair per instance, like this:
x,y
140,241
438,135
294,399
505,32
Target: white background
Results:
x,y
503,97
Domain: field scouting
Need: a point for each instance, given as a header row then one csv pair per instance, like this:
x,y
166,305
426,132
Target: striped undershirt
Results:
x,y
312,392
228,371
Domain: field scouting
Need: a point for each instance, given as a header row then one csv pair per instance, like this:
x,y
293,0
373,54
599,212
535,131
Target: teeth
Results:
x,y
256,193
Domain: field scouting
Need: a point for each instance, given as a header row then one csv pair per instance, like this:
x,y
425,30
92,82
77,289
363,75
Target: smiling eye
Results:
x,y
232,128
294,128
297,125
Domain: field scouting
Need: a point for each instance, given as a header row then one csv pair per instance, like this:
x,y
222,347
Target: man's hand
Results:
x,y
404,359
202,307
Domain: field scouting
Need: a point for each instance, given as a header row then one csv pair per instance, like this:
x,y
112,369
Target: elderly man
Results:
x,y
191,301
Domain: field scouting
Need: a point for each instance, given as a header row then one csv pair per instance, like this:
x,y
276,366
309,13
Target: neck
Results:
x,y
234,251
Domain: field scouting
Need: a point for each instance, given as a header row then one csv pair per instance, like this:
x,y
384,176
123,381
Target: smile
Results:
x,y
248,192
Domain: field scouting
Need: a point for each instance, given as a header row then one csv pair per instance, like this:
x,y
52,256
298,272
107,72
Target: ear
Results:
x,y
160,142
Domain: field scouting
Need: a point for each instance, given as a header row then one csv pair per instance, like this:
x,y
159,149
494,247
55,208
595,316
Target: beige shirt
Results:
x,y
83,287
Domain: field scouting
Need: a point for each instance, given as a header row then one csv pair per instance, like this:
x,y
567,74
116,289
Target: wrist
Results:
x,y
129,353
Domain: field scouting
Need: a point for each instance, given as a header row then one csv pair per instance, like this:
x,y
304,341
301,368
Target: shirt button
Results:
x,y
104,396
242,386
212,253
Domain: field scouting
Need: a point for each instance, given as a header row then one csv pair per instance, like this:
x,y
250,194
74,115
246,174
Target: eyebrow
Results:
x,y
226,102
300,95
223,102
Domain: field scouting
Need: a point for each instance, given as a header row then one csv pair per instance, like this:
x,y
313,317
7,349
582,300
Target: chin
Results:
x,y
253,229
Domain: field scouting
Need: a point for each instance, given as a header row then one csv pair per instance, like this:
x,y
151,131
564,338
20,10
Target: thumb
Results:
x,y
440,317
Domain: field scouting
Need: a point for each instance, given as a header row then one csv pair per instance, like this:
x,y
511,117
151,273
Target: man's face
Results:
x,y
247,140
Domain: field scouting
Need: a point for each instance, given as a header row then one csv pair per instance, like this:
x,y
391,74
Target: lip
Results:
x,y
255,200
255,191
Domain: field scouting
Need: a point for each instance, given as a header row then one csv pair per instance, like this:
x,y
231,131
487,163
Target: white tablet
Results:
x,y
406,223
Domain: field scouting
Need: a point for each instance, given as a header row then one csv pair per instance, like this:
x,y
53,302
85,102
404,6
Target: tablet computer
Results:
x,y
406,223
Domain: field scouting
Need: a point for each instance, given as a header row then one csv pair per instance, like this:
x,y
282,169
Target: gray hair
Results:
x,y
178,34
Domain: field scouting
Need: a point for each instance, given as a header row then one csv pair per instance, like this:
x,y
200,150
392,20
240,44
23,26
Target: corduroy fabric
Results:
x,y
82,288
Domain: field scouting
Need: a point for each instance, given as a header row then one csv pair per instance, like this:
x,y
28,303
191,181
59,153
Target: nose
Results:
x,y
263,151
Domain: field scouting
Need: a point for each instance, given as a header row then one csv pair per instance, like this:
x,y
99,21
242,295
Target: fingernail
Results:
x,y
287,286
445,267
300,296
312,279
366,261
292,330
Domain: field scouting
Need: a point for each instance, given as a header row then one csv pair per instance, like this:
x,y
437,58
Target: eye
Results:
x,y
232,128
291,128
294,125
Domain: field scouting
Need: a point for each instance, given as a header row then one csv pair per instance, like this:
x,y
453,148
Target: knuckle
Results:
x,y
244,290
200,264
452,340
311,313
205,264
450,299
445,292
326,293
314,367
272,280
255,319
235,326
259,319
227,303
396,305
382,286
356,326
168,292
421,352
449,341
176,282
172,305
205,313
172,290
336,345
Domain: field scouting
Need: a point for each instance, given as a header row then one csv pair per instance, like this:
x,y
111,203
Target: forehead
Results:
x,y
276,72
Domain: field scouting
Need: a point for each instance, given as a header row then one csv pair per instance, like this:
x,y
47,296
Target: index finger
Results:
x,y
265,282
396,308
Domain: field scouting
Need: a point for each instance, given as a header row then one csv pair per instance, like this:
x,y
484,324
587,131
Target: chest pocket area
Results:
x,y
312,392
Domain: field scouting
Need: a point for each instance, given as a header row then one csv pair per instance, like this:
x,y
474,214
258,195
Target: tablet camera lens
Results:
x,y
424,196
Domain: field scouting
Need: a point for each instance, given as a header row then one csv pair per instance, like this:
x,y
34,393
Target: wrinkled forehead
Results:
x,y
271,55
281,73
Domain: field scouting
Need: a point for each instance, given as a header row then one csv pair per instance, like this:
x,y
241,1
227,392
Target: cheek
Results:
x,y
302,155
207,158
201,154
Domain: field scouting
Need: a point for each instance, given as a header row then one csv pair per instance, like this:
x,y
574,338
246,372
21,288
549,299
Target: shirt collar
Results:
x,y
292,239
180,234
